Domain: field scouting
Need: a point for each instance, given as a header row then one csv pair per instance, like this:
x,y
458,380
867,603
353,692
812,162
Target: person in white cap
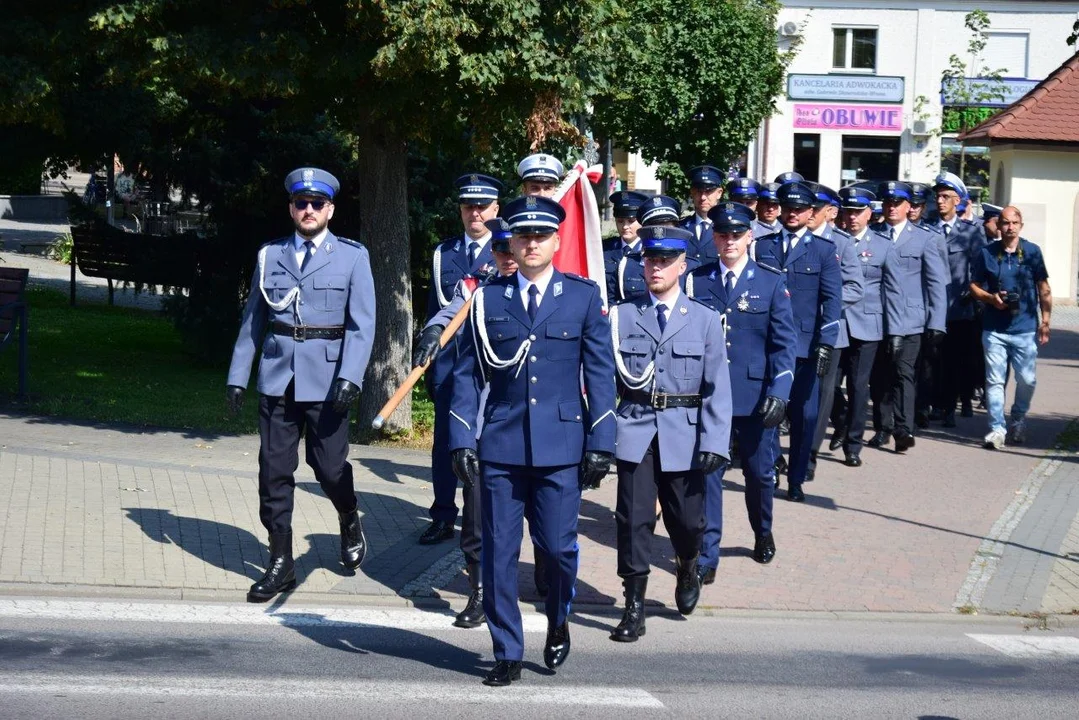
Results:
x,y
540,174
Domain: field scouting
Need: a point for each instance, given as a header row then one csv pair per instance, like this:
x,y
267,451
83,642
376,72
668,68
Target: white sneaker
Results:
x,y
995,440
1018,431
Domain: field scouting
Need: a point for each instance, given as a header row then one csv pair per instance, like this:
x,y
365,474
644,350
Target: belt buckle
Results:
x,y
299,333
659,400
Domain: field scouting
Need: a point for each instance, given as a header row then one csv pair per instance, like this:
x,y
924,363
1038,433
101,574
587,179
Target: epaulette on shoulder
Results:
x,y
501,280
704,270
580,278
842,233
276,241
775,271
932,228
353,243
702,303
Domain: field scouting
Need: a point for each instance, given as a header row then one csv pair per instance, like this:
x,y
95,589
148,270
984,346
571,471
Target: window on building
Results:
x,y
807,155
1008,52
854,48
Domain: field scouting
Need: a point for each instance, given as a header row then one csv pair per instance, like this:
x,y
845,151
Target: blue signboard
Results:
x,y
1004,92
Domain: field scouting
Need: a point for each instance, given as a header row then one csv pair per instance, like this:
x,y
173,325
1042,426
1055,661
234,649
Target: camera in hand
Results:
x,y
1011,299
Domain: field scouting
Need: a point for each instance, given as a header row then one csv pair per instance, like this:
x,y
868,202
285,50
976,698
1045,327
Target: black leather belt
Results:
x,y
299,333
662,401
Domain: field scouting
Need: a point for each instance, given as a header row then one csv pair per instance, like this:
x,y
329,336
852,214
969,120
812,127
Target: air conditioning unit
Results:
x,y
789,29
921,127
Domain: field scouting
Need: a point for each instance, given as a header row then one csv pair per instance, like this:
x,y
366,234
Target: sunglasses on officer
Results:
x,y
301,204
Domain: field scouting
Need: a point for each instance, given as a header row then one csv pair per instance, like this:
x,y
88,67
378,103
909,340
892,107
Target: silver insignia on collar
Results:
x,y
557,289
508,293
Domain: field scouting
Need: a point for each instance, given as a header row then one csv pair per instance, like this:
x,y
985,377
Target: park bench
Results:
x,y
107,252
13,316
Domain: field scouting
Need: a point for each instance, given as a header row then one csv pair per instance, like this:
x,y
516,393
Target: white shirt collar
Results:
x,y
632,246
737,268
669,304
701,220
898,228
861,236
481,240
540,282
298,241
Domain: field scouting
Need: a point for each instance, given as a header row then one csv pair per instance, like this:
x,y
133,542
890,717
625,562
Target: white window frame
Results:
x,y
849,49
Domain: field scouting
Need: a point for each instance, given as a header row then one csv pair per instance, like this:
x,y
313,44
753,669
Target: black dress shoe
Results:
x,y
903,442
687,588
838,435
852,461
811,472
879,439
764,549
280,574
968,409
795,494
706,575
921,419
632,625
556,650
948,420
353,542
781,465
436,532
503,673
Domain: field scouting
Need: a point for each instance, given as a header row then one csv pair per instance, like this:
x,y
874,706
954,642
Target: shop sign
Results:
x,y
850,88
985,92
848,117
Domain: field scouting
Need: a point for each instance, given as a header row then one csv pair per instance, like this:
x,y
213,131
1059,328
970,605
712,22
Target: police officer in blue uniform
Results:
x,y
745,191
865,319
705,189
540,174
961,350
768,209
919,197
674,423
310,320
832,404
532,338
815,284
468,254
761,343
622,261
427,347
914,305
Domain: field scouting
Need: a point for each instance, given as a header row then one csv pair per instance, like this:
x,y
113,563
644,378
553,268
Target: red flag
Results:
x,y
581,250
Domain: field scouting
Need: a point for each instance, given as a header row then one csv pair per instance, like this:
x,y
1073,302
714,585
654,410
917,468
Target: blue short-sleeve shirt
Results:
x,y
1019,272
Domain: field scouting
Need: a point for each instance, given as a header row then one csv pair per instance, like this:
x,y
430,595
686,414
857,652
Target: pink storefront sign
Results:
x,y
848,117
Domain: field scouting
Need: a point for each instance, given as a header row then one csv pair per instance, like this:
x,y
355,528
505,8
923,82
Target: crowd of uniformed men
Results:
x,y
717,329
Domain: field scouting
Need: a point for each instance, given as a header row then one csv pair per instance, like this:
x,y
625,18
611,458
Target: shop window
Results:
x,y
870,159
854,49
807,155
971,163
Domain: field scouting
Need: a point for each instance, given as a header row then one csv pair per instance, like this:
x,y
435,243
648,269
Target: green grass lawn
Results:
x,y
113,364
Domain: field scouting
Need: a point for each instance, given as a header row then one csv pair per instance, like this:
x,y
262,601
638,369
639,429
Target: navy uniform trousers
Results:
x,y
894,386
860,357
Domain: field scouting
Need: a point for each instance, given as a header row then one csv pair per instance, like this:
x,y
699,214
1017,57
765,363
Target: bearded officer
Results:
x,y
622,262
761,343
815,283
465,255
705,189
674,422
312,312
532,338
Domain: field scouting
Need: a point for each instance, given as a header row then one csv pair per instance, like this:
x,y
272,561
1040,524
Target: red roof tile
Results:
x,y
1048,113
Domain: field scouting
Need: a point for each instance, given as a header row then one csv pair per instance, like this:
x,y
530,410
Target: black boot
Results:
x,y
687,589
353,543
473,615
280,573
632,625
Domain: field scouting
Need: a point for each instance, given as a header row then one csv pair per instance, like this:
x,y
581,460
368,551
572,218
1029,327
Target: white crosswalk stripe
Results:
x,y
1031,645
210,614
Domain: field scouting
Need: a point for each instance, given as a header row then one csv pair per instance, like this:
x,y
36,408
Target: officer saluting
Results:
x,y
622,262
312,312
466,255
674,422
761,343
532,337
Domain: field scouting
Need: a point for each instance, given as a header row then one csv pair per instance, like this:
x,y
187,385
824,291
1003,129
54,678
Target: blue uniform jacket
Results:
x,y
703,251
850,271
865,319
964,245
915,294
449,264
535,413
688,358
625,273
761,338
815,284
335,289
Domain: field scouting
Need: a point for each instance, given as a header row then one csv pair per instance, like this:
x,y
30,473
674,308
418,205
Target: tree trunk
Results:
x,y
384,231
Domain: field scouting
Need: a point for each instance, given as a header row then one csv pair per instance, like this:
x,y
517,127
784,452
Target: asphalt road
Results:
x,y
91,660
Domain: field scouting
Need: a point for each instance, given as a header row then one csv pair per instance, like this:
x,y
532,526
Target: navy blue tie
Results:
x,y
533,304
661,316
307,254
473,251
728,286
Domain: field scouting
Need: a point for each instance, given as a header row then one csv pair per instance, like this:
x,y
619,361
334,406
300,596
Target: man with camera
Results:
x,y
1011,279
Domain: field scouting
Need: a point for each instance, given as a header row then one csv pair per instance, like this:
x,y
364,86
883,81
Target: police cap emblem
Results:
x,y
657,201
530,202
473,179
308,175
659,232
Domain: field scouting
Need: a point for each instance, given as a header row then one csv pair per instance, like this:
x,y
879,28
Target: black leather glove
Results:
x,y
594,467
824,356
344,394
466,466
895,345
426,346
234,396
934,337
772,410
709,462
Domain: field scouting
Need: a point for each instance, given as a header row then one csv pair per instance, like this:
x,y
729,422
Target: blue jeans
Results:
x,y
1021,352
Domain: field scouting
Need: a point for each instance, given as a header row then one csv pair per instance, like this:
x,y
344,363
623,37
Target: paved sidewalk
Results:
x,y
102,510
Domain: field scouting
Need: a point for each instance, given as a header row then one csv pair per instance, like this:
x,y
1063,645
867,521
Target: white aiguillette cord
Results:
x,y
633,382
479,328
290,296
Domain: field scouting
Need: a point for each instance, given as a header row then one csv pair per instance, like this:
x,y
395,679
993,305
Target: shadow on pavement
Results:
x,y
392,471
118,427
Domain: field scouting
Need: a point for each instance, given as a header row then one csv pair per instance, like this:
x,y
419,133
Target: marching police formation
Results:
x,y
709,332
